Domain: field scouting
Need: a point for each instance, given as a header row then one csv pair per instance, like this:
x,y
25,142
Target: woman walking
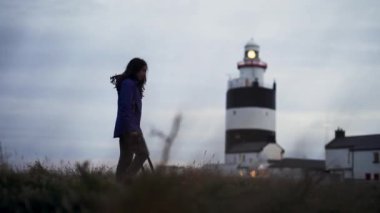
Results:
x,y
130,88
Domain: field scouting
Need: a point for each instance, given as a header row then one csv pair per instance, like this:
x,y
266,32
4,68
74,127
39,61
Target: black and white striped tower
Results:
x,y
251,106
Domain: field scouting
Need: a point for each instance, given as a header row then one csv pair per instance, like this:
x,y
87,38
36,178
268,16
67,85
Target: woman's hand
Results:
x,y
135,133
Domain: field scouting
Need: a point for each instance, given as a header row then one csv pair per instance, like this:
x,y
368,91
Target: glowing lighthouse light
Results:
x,y
251,54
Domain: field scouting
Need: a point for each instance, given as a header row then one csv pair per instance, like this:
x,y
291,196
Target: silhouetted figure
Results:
x,y
130,88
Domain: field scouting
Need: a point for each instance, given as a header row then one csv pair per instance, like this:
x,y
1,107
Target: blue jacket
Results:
x,y
129,108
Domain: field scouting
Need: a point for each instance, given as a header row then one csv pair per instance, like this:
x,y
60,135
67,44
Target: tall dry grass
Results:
x,y
85,188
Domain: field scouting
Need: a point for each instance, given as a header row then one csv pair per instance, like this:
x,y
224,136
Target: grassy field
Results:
x,y
84,188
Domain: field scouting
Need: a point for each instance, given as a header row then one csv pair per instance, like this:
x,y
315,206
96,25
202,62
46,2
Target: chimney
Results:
x,y
340,133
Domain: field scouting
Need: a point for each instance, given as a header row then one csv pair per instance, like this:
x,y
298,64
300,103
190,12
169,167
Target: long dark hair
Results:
x,y
134,65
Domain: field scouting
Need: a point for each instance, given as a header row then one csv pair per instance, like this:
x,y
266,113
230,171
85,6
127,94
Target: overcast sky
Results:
x,y
56,58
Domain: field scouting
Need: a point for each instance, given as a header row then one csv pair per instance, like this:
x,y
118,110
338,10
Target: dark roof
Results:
x,y
249,147
297,163
360,142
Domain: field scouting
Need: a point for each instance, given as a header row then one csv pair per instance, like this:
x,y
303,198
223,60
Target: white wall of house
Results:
x,y
338,159
243,158
352,164
363,162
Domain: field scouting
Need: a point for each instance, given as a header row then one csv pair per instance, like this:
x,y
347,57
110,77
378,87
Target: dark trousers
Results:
x,y
133,153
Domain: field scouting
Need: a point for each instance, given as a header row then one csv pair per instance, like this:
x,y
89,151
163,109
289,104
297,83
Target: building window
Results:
x,y
376,157
376,176
368,176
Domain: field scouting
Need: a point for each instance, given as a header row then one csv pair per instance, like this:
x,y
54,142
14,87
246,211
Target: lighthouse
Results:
x,y
250,119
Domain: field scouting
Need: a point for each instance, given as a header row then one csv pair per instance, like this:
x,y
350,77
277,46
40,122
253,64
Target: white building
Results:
x,y
251,114
355,157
